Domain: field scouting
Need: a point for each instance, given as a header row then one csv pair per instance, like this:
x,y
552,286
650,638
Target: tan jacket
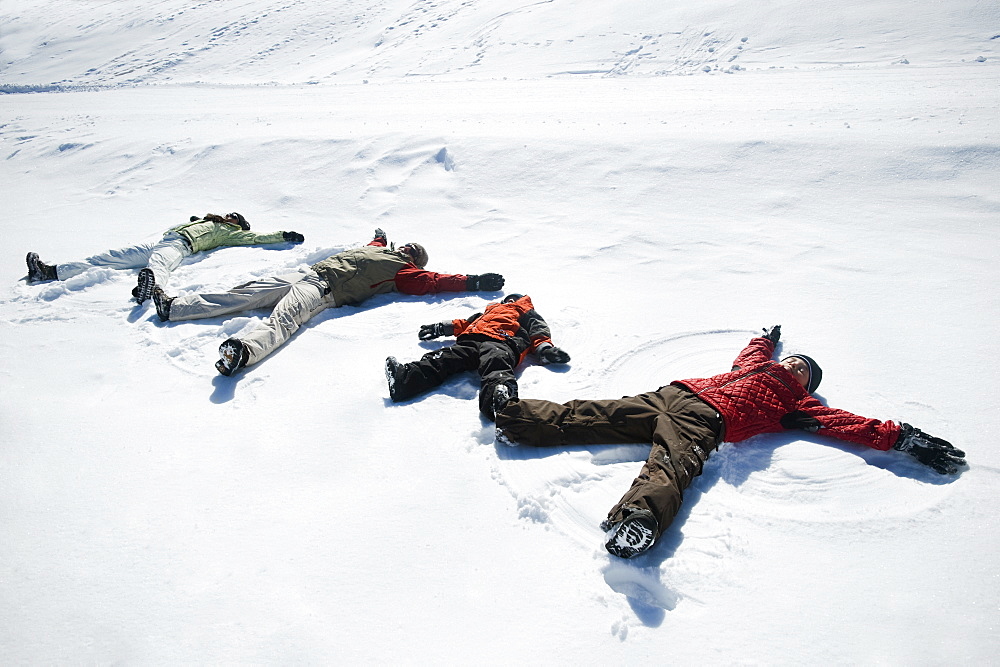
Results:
x,y
355,275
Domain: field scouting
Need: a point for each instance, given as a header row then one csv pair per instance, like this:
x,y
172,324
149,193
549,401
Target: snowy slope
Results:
x,y
152,511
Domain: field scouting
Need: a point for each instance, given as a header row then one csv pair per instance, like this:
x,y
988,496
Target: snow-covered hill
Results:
x,y
832,170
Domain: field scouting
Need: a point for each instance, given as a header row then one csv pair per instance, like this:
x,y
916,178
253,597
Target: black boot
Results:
x,y
39,271
391,373
632,535
144,290
501,396
162,303
234,356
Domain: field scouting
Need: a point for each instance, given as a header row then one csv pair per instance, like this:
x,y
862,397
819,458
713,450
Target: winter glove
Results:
x,y
800,420
550,354
772,334
486,282
380,236
194,218
432,331
293,237
929,450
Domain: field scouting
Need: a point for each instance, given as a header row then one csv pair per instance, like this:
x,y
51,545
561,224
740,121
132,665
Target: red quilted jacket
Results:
x,y
758,392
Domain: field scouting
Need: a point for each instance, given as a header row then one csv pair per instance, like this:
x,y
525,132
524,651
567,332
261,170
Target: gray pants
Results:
x,y
162,257
294,298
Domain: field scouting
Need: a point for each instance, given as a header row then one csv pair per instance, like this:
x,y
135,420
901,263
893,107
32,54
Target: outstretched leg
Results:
x,y
264,293
304,300
682,429
129,257
683,436
431,370
497,362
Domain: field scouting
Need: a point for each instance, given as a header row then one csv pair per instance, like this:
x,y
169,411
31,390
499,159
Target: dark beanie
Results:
x,y
815,372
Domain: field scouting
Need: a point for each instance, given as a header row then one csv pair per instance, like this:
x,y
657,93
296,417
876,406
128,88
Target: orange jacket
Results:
x,y
516,322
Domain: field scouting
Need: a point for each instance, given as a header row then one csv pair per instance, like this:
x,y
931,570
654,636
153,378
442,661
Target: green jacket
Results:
x,y
205,235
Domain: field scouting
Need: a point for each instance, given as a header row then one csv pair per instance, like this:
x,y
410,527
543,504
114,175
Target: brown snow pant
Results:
x,y
683,430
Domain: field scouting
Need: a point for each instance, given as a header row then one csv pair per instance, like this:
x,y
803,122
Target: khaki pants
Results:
x,y
295,298
682,428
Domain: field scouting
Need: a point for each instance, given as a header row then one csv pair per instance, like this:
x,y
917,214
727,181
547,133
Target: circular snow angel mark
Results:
x,y
658,362
790,475
812,479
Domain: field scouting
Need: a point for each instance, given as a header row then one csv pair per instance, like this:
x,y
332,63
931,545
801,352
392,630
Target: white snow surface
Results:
x,y
663,180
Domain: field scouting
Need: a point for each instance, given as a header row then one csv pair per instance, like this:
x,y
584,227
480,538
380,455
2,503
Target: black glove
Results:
x,y
486,282
772,334
436,330
550,354
380,236
800,420
194,218
293,237
929,450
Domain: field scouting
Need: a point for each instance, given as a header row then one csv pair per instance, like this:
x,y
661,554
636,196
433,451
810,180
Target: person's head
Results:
x,y
805,370
416,253
239,220
511,298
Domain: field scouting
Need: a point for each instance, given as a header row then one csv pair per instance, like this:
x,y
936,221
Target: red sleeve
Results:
x,y
847,426
411,280
757,352
377,242
460,326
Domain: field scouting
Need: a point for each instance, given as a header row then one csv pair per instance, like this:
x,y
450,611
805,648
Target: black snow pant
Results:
x,y
494,359
682,428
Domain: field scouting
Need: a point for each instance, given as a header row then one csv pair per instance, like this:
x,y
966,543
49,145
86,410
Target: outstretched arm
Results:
x,y
759,350
411,280
815,417
541,342
932,451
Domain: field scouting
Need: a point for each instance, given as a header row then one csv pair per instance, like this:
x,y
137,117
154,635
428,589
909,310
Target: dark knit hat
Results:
x,y
815,372
419,254
240,220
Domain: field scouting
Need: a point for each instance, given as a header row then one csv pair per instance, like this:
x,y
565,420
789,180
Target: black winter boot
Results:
x,y
144,290
501,396
234,356
162,303
632,535
39,271
391,373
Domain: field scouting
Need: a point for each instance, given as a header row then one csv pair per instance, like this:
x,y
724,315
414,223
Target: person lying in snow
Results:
x,y
495,342
687,419
161,258
347,278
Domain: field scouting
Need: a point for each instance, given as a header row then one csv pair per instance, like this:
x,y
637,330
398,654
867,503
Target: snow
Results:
x,y
833,170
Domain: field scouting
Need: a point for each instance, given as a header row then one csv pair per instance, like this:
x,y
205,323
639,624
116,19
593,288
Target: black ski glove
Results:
x,y
800,420
436,330
486,282
380,236
772,334
929,450
550,354
293,237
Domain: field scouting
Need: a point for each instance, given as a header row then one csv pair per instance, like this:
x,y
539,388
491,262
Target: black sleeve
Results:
x,y
534,325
